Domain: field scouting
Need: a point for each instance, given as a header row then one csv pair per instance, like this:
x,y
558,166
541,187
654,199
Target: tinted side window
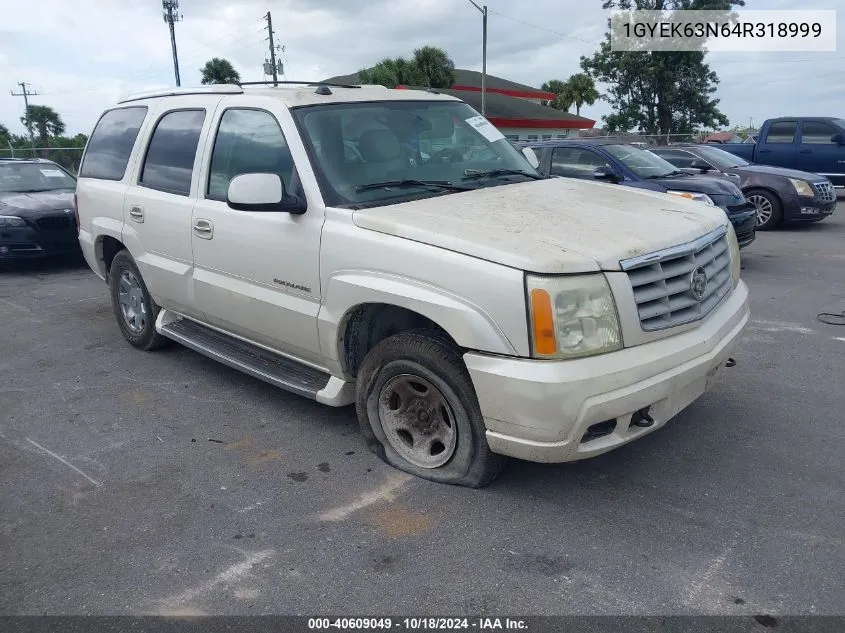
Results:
x,y
817,132
111,143
170,156
575,162
677,157
782,132
248,142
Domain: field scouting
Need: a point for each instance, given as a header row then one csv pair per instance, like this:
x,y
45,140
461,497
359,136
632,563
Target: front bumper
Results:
x,y
31,242
806,209
744,222
546,411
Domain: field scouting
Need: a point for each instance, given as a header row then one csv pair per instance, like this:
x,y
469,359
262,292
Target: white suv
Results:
x,y
342,243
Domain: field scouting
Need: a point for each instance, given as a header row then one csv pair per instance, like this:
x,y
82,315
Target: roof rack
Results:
x,y
271,83
172,92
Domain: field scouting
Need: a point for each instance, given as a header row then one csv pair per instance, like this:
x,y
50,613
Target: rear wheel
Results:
x,y
133,307
769,208
418,411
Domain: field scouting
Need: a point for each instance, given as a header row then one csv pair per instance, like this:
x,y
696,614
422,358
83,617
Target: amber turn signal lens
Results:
x,y
543,322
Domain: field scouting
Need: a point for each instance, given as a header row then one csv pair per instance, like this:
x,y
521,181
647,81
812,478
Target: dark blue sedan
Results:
x,y
614,161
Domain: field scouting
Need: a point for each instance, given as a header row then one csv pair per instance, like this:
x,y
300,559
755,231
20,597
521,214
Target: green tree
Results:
x,y
4,133
430,66
581,89
653,91
219,71
44,121
563,100
434,67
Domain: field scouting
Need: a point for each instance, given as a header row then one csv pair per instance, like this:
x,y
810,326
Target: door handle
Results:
x,y
204,229
137,214
765,151
806,151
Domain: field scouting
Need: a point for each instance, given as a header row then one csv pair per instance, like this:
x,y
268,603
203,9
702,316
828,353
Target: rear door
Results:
x,y
779,145
161,196
818,154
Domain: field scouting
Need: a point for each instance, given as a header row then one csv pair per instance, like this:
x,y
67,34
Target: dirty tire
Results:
x,y
434,362
769,208
143,337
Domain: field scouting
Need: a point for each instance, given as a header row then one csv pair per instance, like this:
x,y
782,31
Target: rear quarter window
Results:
x,y
111,143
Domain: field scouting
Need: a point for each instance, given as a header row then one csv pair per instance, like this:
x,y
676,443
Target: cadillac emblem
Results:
x,y
698,283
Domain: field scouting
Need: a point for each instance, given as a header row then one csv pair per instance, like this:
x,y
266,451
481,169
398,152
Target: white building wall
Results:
x,y
523,134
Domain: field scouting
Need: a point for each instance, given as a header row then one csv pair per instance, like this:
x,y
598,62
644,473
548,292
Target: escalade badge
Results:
x,y
698,283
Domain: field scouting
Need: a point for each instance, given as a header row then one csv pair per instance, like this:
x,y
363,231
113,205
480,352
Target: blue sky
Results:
x,y
82,55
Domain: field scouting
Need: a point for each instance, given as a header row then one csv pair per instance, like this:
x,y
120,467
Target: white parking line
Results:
x,y
385,492
64,461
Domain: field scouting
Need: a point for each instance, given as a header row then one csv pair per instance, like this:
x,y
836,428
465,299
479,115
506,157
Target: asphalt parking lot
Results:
x,y
163,482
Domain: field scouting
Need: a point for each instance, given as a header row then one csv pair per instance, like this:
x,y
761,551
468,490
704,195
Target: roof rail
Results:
x,y
271,83
225,89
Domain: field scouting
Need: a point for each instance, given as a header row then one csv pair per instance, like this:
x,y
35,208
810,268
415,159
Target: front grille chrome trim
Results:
x,y
675,251
825,191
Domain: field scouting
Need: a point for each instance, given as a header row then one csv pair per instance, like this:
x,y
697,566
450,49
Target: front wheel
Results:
x,y
133,307
418,411
769,208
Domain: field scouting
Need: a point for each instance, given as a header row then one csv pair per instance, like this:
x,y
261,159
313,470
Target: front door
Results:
x,y
256,274
818,154
779,147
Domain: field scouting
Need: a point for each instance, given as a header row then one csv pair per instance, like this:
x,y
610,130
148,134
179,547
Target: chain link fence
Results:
x,y
649,139
67,157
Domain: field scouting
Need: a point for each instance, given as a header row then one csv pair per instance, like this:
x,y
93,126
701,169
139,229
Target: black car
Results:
x,y
779,194
36,209
615,161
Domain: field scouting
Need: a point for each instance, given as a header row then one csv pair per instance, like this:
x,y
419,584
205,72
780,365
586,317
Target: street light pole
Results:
x,y
483,11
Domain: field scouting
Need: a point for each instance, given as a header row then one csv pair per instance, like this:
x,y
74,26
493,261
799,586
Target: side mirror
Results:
x,y
838,138
605,174
262,192
531,156
700,164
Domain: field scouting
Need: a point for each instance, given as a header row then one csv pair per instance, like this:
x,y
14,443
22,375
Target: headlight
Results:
x,y
572,316
735,256
11,220
802,187
693,195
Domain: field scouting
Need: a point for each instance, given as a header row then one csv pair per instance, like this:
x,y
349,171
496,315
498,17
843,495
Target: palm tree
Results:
x,y
219,71
435,67
582,90
564,99
45,120
391,73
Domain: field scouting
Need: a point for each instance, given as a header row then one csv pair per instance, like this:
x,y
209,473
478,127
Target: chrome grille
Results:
x,y
662,281
825,191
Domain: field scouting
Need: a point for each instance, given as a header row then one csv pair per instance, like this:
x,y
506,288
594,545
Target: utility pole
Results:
x,y
269,28
483,11
26,95
170,9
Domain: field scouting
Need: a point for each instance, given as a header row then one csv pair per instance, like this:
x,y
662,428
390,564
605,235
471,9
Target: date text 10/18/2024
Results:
x,y
417,624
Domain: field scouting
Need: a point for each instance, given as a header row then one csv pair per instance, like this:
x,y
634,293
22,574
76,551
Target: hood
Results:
x,y
777,171
25,204
559,225
703,184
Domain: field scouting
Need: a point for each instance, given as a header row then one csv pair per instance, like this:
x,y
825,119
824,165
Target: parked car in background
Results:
x,y
723,137
36,209
468,306
779,194
614,161
812,144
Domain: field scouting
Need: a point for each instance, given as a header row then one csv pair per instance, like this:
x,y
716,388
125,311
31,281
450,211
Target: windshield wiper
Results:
x,y
439,184
677,172
501,172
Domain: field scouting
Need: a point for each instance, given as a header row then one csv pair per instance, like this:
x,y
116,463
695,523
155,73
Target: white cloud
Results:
x,y
82,55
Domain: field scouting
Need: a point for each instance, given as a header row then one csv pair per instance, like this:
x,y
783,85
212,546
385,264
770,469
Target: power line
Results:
x,y
26,95
542,28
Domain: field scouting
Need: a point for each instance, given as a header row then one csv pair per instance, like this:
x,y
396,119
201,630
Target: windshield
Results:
x,y
720,158
642,162
416,148
33,177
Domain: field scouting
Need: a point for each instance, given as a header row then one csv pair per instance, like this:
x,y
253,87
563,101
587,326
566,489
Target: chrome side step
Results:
x,y
257,362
